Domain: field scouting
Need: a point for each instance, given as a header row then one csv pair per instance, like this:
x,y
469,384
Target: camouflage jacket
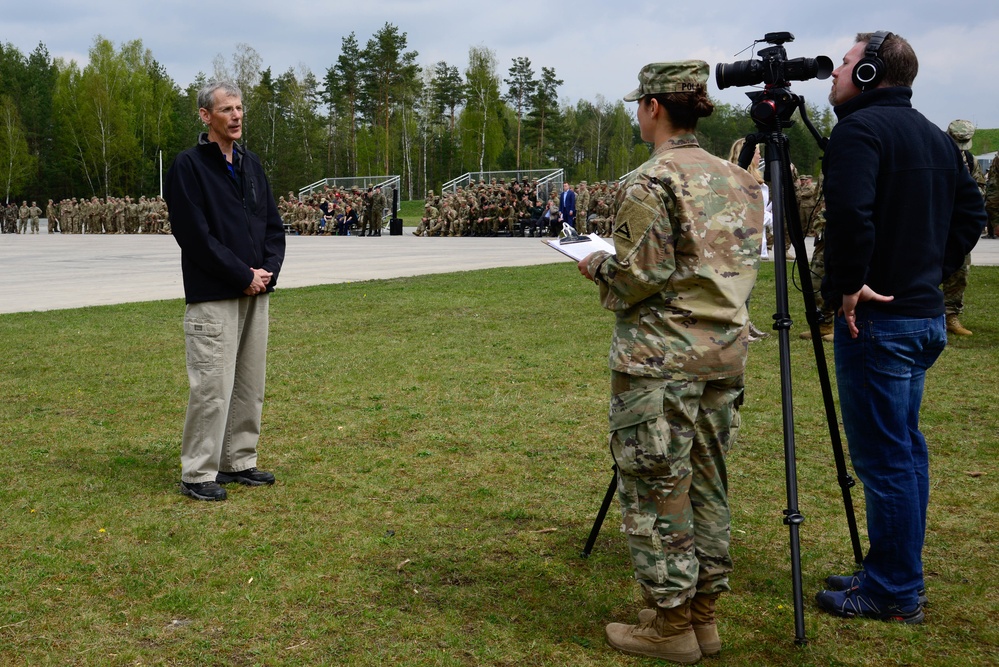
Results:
x,y
687,250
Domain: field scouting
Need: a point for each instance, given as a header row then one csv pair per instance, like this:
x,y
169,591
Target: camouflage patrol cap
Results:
x,y
683,76
962,131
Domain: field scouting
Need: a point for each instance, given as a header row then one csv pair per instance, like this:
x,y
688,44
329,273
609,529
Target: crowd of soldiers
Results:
x,y
114,215
19,219
518,208
335,211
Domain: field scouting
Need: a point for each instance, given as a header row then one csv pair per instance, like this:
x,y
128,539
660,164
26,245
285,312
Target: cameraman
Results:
x,y
901,213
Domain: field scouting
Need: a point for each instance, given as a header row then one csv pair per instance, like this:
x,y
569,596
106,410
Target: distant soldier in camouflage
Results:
x,y
51,217
430,215
817,268
379,204
992,198
35,213
583,208
808,203
504,217
601,217
962,132
23,214
367,215
687,239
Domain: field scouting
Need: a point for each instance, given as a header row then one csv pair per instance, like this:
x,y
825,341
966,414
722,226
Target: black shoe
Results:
x,y
203,490
250,477
851,603
846,582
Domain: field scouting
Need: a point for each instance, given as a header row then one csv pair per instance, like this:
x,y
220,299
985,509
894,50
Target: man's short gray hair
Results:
x,y
206,96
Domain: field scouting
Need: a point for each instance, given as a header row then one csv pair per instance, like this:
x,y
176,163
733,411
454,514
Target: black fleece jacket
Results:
x,y
902,210
225,226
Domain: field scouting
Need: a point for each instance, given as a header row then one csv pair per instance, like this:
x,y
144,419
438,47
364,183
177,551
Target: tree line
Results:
x,y
102,130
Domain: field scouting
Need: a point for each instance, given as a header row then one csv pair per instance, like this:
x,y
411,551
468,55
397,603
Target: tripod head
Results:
x,y
771,112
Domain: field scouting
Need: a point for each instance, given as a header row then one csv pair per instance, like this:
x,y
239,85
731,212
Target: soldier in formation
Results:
x,y
113,215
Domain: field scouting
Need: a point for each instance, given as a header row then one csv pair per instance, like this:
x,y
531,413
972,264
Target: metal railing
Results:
x,y
386,183
547,179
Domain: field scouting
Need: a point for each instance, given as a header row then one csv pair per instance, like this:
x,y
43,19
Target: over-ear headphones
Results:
x,y
869,72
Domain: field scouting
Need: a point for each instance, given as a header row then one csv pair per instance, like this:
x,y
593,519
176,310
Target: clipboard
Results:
x,y
577,246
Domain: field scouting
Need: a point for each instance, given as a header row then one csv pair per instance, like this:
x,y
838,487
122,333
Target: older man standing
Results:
x,y
232,244
902,211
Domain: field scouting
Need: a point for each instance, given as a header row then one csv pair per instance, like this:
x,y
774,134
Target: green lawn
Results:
x,y
985,141
411,212
440,449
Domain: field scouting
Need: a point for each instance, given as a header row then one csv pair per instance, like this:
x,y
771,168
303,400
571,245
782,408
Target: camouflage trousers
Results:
x,y
953,288
817,267
669,439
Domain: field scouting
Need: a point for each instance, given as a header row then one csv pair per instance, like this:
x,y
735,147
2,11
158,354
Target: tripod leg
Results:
x,y
608,497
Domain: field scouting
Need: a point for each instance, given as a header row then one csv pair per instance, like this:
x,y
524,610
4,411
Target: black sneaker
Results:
x,y
851,603
846,582
250,477
203,490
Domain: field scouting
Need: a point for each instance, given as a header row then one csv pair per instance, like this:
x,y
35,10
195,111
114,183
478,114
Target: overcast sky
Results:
x,y
596,47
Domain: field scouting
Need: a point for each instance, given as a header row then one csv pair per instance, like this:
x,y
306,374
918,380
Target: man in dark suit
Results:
x,y
567,205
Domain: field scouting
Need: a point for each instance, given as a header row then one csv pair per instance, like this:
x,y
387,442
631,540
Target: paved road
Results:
x,y
52,271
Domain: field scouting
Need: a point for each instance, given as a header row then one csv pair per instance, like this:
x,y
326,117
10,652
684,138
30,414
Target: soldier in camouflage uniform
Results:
x,y
992,198
10,218
430,215
379,204
52,217
35,213
686,239
808,202
583,208
962,132
23,214
817,267
604,210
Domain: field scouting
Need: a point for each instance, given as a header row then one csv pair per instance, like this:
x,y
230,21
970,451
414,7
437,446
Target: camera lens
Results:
x,y
742,73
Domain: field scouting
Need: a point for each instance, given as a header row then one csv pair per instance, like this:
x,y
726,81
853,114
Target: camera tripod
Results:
x,y
771,112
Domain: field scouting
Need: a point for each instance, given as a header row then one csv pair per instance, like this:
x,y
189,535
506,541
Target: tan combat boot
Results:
x,y
702,618
825,330
661,633
955,327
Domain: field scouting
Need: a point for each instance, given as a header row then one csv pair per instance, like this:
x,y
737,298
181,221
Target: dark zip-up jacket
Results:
x,y
902,211
225,226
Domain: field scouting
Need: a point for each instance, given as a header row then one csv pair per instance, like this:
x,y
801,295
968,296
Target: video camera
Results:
x,y
773,68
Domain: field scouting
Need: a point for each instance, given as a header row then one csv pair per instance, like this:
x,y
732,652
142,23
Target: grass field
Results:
x,y
985,141
411,212
440,449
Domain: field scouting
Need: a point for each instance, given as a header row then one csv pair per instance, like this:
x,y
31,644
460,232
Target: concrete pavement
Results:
x,y
53,271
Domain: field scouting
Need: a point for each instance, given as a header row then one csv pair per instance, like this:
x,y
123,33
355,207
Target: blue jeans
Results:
x,y
880,375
